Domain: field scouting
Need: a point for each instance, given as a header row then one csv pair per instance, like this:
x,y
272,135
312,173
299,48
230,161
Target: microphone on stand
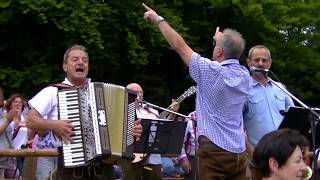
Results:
x,y
141,103
263,72
259,71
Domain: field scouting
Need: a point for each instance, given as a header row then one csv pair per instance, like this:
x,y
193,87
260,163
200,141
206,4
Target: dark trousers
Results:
x,y
140,171
192,174
215,163
92,172
256,174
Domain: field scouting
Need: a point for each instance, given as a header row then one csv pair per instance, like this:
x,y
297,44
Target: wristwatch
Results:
x,y
160,18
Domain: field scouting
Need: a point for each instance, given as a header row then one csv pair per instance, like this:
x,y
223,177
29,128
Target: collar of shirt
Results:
x,y
256,83
229,61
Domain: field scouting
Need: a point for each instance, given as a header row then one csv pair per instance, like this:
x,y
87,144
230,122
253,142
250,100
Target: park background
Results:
x,y
123,48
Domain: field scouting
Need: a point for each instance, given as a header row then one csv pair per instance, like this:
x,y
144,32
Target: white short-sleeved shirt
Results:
x,y
46,103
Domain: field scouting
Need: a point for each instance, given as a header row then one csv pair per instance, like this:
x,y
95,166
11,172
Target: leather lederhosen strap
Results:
x,y
62,86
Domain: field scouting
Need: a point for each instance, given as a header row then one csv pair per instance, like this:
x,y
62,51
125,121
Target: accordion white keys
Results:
x,y
103,117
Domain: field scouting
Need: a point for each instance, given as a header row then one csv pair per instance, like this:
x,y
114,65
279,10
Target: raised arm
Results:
x,y
173,38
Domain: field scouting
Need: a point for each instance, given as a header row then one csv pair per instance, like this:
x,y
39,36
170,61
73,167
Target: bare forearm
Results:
x,y
37,123
31,134
176,42
172,37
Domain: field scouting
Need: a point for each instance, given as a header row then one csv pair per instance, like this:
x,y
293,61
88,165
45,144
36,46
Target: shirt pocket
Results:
x,y
280,101
256,105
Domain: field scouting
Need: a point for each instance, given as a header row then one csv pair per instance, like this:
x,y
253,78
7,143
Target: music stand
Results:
x,y
161,137
313,118
296,118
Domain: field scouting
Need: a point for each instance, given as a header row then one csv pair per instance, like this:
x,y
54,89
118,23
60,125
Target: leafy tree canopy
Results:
x,y
124,48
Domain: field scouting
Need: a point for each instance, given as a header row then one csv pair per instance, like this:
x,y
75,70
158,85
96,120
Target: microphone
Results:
x,y
255,69
143,104
259,71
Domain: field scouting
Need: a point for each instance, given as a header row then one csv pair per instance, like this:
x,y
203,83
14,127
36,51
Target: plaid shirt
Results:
x,y
222,90
189,142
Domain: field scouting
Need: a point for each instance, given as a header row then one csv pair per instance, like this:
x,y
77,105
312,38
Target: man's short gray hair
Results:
x,y
232,44
74,47
259,47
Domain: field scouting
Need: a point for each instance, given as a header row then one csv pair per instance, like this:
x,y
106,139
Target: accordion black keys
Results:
x,y
103,117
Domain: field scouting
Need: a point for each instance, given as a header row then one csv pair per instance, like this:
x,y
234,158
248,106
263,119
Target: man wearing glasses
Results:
x,y
222,89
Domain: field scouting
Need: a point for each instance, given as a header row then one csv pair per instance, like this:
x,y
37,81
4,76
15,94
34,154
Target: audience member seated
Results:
x,y
171,167
278,156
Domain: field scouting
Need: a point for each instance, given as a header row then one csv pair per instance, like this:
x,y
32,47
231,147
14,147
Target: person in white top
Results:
x,y
150,167
7,164
43,117
187,157
16,134
20,133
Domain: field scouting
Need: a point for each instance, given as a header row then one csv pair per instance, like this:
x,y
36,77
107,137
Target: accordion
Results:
x,y
103,117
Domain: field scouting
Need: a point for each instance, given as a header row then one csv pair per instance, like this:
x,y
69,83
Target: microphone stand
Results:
x,y
314,117
164,109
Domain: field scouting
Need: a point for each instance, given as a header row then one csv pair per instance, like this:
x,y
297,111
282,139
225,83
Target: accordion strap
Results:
x,y
62,86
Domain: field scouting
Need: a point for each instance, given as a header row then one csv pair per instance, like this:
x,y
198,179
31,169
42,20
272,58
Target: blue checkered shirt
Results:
x,y
222,90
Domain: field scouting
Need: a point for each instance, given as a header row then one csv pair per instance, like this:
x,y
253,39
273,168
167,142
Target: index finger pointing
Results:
x,y
217,30
146,7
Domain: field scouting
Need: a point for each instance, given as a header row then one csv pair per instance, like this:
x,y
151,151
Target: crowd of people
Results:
x,y
13,133
234,110
232,134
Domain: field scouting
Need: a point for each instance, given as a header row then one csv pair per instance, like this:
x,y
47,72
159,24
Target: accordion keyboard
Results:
x,y
73,153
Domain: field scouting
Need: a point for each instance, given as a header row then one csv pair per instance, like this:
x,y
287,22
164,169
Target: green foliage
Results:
x,y
124,48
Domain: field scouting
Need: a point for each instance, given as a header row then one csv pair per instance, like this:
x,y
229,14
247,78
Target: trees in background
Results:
x,y
124,48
